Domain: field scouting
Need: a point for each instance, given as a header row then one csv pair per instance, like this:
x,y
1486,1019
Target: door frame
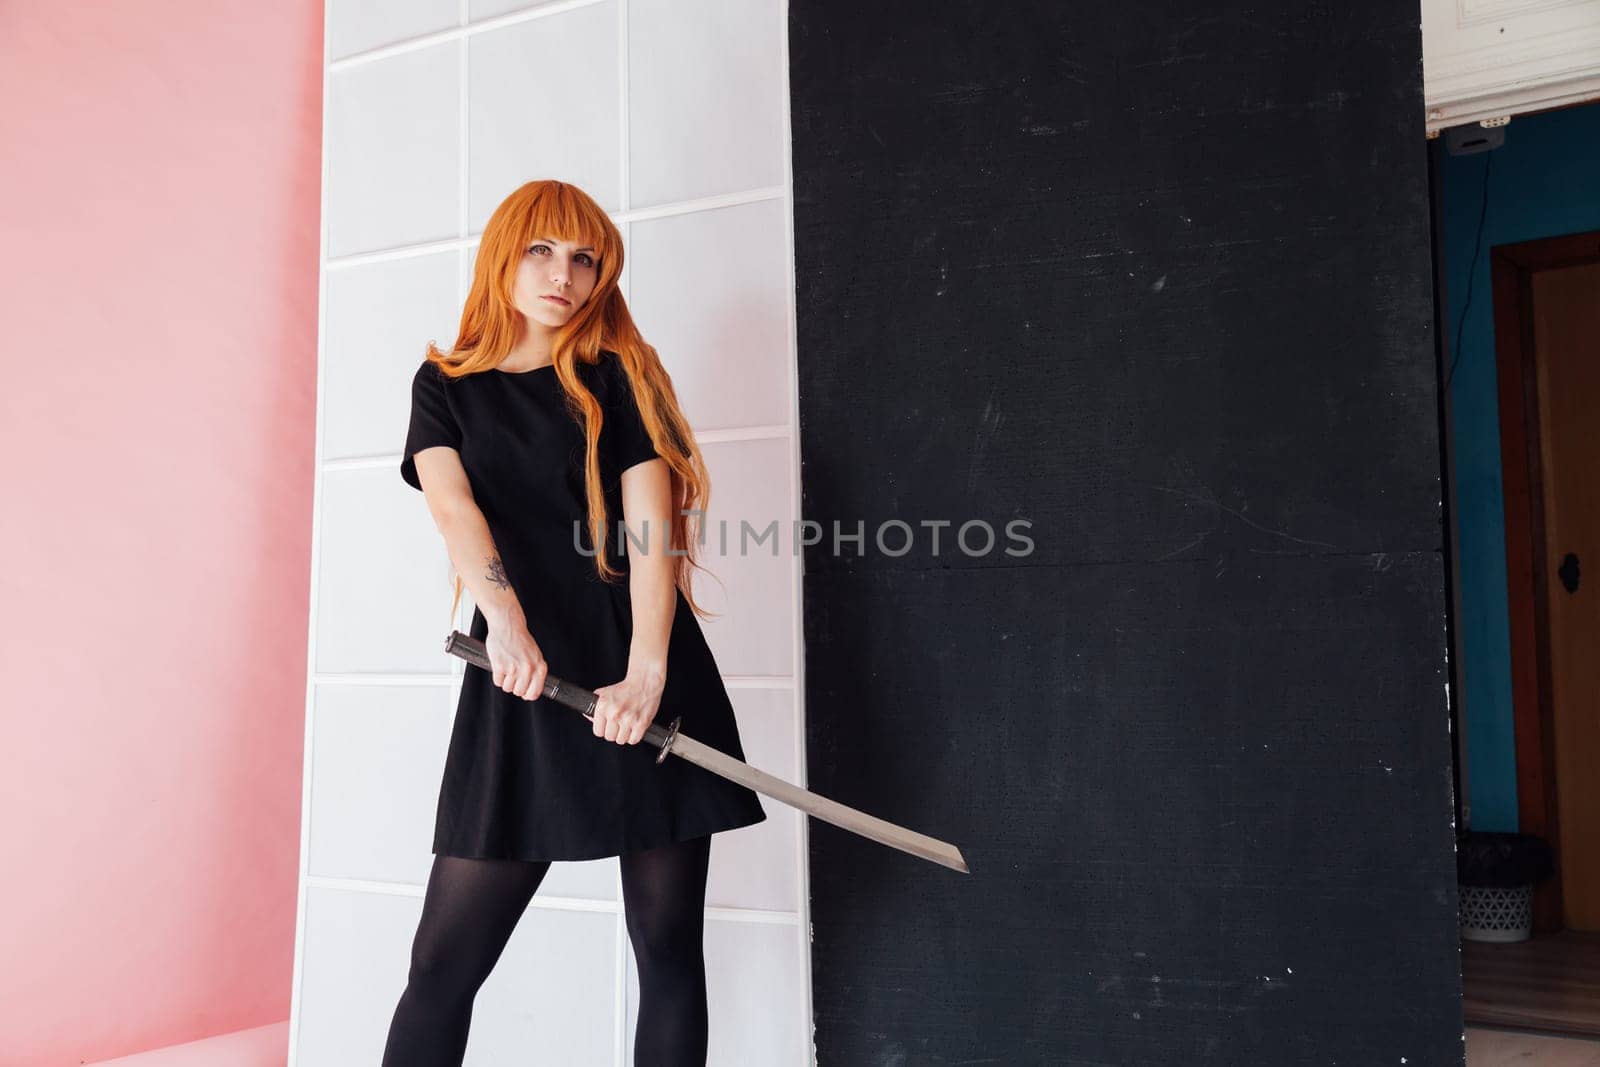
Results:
x,y
1511,269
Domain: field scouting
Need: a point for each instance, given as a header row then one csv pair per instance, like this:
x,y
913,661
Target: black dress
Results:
x,y
530,780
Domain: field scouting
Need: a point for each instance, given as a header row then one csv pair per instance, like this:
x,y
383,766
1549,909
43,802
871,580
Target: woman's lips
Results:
x,y
556,300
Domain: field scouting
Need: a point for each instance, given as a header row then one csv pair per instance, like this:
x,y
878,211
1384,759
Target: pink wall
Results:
x,y
158,227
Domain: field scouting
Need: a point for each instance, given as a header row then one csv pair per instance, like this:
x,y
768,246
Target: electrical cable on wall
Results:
x,y
1472,271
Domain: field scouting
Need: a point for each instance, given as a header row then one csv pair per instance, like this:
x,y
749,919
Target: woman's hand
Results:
x,y
519,666
624,711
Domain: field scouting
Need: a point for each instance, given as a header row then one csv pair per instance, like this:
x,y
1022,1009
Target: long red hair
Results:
x,y
491,326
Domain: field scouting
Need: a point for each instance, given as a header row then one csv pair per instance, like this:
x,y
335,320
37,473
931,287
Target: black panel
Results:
x,y
1146,275
1154,277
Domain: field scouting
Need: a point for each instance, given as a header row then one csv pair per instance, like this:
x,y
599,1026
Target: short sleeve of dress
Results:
x,y
432,420
630,441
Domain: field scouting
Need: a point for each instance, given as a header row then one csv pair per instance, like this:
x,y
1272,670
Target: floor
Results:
x,y
1488,1047
264,1046
1548,988
1549,983
267,1046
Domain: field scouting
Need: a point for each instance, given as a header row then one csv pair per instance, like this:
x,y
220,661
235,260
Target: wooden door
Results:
x,y
1547,346
1566,341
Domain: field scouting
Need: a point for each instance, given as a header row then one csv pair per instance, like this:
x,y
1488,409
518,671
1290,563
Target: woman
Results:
x,y
556,464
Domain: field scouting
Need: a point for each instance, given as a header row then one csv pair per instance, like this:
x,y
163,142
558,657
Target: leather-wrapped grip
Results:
x,y
569,694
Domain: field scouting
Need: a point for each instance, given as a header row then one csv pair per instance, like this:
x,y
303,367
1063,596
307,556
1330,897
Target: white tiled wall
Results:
x,y
673,115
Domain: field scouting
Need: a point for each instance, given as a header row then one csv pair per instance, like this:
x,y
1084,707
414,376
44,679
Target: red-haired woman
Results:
x,y
548,424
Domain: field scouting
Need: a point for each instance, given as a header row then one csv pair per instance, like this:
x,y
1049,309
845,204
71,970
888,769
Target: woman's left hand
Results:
x,y
624,711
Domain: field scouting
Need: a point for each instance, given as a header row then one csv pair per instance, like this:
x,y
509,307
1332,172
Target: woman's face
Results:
x,y
554,269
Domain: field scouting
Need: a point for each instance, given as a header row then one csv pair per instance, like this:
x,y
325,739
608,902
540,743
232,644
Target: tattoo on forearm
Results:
x,y
497,573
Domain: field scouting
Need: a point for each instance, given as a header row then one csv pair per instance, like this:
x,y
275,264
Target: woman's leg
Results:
x,y
468,912
664,895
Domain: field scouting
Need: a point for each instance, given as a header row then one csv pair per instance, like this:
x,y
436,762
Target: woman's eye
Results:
x,y
585,258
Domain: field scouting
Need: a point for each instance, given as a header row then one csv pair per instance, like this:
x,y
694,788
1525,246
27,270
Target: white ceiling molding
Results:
x,y
1491,59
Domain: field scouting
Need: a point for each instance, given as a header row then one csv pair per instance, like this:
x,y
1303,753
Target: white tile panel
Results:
x,y
585,879
469,259
753,996
377,757
755,867
355,953
380,317
394,151
705,97
358,25
552,995
479,10
383,590
544,102
711,293
752,589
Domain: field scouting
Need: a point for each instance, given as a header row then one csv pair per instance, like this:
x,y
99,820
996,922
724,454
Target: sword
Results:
x,y
669,740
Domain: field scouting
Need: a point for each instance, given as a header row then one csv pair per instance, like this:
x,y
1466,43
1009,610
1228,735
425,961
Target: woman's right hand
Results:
x,y
519,666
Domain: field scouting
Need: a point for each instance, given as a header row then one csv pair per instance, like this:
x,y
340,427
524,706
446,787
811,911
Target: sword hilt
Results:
x,y
576,697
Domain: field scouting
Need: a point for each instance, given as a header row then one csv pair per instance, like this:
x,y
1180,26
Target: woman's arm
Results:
x,y
626,709
647,511
517,662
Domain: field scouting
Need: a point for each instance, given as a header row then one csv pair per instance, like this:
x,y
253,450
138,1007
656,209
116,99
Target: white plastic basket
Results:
x,y
1490,913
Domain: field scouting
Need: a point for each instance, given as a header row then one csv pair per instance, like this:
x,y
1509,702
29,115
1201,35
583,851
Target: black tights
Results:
x,y
472,905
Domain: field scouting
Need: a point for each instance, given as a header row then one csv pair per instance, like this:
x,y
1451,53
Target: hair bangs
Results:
x,y
559,212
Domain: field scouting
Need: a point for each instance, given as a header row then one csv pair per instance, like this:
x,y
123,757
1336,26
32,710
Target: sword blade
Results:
x,y
830,811
670,741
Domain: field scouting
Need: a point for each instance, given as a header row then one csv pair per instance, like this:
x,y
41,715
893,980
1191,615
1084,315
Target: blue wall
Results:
x,y
1545,181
